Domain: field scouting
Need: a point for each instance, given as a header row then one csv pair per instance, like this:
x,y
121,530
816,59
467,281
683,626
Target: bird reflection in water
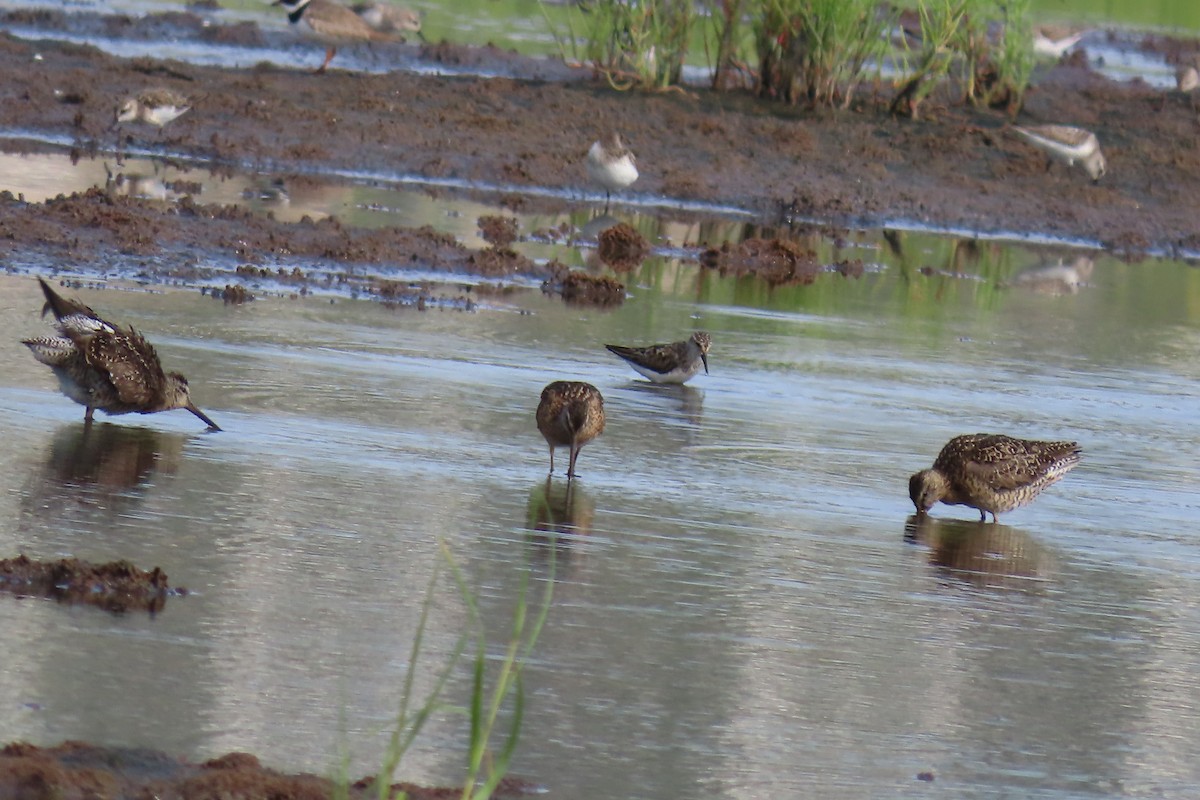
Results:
x,y
688,400
980,553
557,516
99,462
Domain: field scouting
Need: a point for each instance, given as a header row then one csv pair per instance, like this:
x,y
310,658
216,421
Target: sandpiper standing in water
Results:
x,y
102,365
991,472
156,107
570,414
330,22
677,362
612,165
1068,145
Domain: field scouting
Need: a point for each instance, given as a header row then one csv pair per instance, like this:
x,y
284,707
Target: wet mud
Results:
x,y
117,586
958,166
76,770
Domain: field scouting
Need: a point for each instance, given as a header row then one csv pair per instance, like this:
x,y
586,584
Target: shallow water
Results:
x,y
742,605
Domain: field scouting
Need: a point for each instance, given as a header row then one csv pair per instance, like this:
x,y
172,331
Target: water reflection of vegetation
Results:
x,y
981,553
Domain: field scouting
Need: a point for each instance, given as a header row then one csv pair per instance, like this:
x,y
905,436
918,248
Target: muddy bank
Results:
x,y
959,167
80,226
79,770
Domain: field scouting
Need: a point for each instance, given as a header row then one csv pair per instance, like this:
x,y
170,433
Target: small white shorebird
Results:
x,y
668,363
611,164
154,106
1053,43
387,18
1068,145
1187,78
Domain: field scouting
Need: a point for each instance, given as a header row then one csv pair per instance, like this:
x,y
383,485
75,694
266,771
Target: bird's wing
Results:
x,y
130,364
661,358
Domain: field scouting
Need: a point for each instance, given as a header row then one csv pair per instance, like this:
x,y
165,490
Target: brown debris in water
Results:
x,y
231,294
76,769
622,247
117,586
777,261
578,288
498,231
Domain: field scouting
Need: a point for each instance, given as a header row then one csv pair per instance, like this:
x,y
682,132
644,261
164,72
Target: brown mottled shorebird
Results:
x,y
991,472
570,414
102,365
668,363
332,23
1069,145
154,106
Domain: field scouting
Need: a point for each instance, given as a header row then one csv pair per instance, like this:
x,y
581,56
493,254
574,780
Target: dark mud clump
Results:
x,y
622,247
81,770
777,261
500,232
578,288
117,586
232,295
419,295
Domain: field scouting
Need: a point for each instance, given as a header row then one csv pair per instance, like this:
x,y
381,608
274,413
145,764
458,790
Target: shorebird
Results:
x,y
101,365
1068,145
991,472
1187,78
611,164
156,107
570,414
330,22
1053,42
668,363
387,18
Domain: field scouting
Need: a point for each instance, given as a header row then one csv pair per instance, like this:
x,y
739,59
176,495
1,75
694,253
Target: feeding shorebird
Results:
x,y
101,365
332,23
1068,145
1054,42
677,362
387,18
570,414
611,164
156,107
991,472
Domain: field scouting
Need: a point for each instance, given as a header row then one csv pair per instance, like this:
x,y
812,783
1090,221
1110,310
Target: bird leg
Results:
x,y
551,462
88,416
330,52
607,199
575,448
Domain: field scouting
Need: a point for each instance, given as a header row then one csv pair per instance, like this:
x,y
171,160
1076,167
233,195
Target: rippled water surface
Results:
x,y
742,605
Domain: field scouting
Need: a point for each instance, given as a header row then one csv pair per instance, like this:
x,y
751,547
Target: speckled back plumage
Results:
x,y
992,472
102,365
570,414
